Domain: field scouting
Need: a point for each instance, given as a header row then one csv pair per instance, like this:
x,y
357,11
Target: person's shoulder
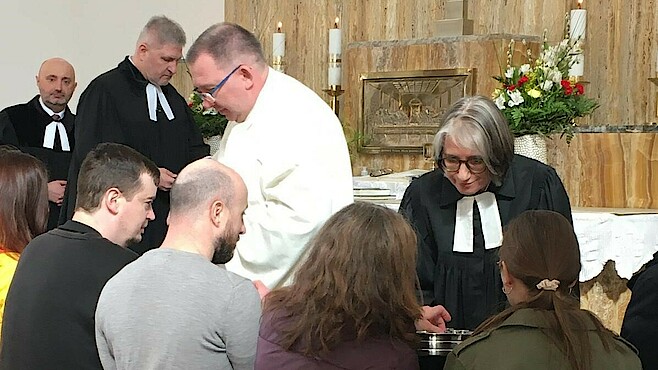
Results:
x,y
104,80
530,170
431,181
15,108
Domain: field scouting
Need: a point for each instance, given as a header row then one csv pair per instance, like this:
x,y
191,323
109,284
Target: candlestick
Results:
x,y
334,92
278,48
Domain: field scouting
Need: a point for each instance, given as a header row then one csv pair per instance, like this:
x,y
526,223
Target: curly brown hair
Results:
x,y
357,281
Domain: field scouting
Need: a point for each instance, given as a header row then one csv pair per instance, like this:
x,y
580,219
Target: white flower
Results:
x,y
515,98
510,72
525,68
554,75
546,85
500,102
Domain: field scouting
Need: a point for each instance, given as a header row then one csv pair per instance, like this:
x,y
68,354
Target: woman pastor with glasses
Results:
x,y
459,209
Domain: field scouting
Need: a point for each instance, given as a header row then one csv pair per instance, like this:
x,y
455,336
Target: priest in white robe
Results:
x,y
284,141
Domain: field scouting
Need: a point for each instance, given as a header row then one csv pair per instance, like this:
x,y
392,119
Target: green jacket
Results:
x,y
519,343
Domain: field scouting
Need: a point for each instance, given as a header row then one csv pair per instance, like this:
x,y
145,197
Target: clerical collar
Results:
x,y
49,111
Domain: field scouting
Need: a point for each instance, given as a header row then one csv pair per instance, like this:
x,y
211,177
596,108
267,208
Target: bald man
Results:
x,y
43,127
173,307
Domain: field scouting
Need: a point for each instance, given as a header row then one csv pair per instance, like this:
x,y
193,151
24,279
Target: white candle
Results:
x,y
577,24
334,39
334,73
578,68
279,42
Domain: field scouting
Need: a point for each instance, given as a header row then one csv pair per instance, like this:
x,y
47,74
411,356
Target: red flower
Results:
x,y
566,85
190,104
522,80
510,87
580,90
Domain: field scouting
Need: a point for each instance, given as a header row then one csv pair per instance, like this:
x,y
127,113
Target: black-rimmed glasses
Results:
x,y
452,164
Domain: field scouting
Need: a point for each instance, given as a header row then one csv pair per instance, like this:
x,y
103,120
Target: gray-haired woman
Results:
x,y
459,209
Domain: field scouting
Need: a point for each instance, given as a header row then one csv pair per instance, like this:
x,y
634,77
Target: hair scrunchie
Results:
x,y
548,285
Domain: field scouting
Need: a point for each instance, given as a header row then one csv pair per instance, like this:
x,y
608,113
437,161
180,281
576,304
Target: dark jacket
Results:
x,y
519,343
49,312
640,325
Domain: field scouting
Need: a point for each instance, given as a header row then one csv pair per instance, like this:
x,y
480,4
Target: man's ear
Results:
x,y
218,213
112,200
142,48
247,77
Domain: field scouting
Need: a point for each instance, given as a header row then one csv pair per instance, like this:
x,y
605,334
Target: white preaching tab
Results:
x,y
489,218
49,135
153,94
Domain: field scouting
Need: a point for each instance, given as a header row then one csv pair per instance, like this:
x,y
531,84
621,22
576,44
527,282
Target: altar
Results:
x,y
614,244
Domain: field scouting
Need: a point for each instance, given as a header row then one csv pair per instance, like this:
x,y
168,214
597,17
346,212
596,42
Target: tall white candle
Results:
x,y
577,24
578,68
279,42
334,72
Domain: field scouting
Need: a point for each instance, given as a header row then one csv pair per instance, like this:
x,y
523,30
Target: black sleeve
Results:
x,y
197,147
554,197
640,326
7,133
416,214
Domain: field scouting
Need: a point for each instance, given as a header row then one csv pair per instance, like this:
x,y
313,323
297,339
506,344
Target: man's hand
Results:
x,y
261,288
56,190
434,319
167,179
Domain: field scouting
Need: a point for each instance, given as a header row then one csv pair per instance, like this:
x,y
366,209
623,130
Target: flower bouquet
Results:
x,y
209,121
537,97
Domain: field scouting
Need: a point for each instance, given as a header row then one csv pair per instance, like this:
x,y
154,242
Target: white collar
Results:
x,y
492,228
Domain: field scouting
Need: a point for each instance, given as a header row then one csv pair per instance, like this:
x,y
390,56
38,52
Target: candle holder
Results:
x,y
654,80
278,64
334,92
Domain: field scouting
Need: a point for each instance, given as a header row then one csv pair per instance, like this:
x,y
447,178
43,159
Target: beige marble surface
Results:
x,y
607,297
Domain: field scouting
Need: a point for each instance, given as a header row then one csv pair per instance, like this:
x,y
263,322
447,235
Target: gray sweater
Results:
x,y
176,310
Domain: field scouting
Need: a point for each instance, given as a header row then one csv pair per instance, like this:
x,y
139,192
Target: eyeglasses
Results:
x,y
209,96
453,164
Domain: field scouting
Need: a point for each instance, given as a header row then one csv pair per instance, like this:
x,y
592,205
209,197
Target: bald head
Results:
x,y
56,83
202,182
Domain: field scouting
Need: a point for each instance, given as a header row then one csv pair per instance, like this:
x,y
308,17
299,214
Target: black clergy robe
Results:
x,y
24,126
113,108
48,320
468,285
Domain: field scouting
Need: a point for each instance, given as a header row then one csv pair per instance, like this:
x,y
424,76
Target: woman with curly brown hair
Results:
x,y
544,328
23,210
353,301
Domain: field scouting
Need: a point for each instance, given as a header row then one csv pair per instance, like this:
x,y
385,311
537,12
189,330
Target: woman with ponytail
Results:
x,y
544,327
